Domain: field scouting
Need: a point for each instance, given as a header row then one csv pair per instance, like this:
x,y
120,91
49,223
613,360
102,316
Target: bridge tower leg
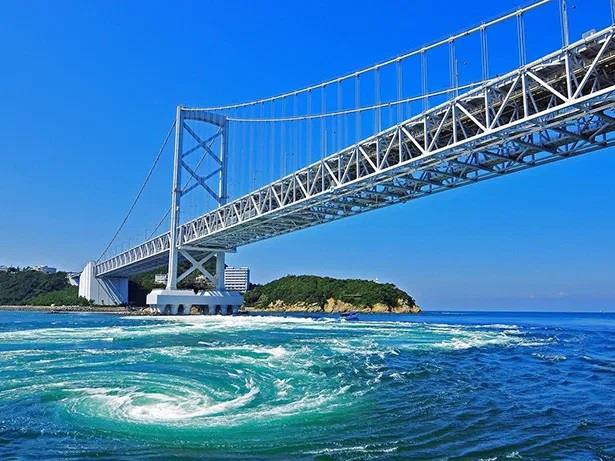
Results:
x,y
173,300
222,198
176,194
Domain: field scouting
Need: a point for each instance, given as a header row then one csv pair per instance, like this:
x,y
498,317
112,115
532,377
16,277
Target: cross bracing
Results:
x,y
555,108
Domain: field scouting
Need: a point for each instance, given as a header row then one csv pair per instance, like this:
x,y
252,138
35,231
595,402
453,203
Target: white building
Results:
x,y
160,279
4,269
237,279
46,269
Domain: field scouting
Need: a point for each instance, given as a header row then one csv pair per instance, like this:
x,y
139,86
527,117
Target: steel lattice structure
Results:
x,y
552,109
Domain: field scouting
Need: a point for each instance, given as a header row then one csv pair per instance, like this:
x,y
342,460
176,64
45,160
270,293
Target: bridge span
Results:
x,y
554,108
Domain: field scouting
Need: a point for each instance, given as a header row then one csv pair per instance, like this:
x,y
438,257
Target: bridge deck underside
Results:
x,y
556,108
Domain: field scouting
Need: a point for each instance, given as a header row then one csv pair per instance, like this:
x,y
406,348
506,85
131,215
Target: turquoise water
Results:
x,y
433,386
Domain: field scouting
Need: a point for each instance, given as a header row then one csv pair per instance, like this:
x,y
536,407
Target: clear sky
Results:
x,y
88,89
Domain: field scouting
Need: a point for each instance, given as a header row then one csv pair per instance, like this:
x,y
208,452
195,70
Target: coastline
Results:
x,y
138,311
334,307
337,306
72,309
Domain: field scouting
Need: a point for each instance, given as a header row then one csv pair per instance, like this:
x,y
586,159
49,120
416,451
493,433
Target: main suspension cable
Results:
x,y
416,52
359,109
138,196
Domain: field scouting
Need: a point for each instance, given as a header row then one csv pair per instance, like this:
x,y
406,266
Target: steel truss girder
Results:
x,y
526,118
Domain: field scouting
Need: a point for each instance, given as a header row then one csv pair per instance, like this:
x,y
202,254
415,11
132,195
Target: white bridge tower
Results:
x,y
172,300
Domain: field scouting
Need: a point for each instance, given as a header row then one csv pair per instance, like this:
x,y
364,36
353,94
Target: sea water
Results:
x,y
429,386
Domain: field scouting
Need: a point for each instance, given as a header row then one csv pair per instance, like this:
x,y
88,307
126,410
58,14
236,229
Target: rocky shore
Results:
x,y
337,306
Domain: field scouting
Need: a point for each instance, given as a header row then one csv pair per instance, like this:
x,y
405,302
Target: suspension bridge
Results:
x,y
365,140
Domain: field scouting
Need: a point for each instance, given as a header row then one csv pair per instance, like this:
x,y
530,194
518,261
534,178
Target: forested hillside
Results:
x,y
18,287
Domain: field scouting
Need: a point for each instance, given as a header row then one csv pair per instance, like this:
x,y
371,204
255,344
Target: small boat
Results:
x,y
353,315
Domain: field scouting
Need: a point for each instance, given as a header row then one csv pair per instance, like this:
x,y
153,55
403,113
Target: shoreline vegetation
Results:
x,y
28,290
31,287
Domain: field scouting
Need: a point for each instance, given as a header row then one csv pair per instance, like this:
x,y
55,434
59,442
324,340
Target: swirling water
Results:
x,y
432,386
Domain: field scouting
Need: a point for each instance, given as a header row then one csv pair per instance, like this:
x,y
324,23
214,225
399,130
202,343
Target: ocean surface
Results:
x,y
446,385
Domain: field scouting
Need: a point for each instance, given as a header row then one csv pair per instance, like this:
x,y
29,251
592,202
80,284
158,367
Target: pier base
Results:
x,y
108,291
180,302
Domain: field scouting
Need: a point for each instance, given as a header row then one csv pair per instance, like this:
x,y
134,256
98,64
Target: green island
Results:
x,y
292,293
310,293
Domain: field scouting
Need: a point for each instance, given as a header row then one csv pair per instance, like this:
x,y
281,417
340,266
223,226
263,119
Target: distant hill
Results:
x,y
18,287
326,294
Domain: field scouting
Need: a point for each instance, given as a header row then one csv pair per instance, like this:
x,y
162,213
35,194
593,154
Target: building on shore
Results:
x,y
4,268
45,269
237,279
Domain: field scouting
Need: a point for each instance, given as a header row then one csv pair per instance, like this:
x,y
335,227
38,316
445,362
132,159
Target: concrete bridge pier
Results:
x,y
180,302
108,291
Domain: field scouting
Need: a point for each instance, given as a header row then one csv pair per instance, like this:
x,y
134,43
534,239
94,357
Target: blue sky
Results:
x,y
88,90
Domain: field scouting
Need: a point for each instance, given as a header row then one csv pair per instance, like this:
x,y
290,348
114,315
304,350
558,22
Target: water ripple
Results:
x,y
275,387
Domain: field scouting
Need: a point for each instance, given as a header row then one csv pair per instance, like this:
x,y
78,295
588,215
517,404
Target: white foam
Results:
x,y
169,408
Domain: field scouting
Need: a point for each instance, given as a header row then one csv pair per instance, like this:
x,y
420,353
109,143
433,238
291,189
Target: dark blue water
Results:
x,y
433,386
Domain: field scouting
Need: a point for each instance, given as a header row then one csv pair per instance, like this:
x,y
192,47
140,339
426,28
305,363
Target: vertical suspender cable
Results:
x,y
251,150
262,167
563,14
563,17
256,148
257,133
484,53
283,139
346,122
272,145
231,158
424,80
521,39
295,125
235,133
244,152
245,147
305,130
309,127
378,121
357,103
253,145
339,118
452,67
229,163
300,160
484,58
323,131
300,129
612,11
399,78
